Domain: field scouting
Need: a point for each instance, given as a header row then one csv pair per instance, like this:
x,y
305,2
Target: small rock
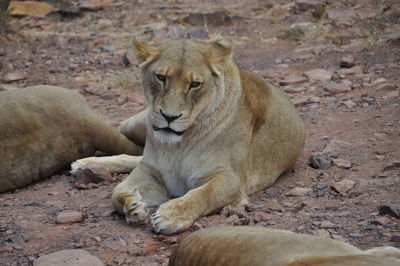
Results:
x,y
320,161
337,88
69,217
30,8
292,79
319,75
351,71
300,101
76,257
93,5
383,220
298,192
304,5
216,19
392,166
380,136
355,235
322,233
232,219
396,239
131,58
341,163
343,186
18,238
14,76
391,209
349,104
394,36
107,48
289,89
347,61
93,174
341,15
391,95
327,225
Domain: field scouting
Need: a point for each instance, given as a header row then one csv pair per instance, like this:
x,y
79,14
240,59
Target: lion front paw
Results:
x,y
136,212
170,218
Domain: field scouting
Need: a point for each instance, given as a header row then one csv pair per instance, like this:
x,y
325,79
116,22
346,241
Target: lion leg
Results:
x,y
135,128
178,214
136,193
113,164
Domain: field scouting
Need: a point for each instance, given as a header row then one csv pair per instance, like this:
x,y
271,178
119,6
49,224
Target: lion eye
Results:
x,y
161,77
195,84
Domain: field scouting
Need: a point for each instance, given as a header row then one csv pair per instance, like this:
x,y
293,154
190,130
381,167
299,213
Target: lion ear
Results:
x,y
143,50
220,50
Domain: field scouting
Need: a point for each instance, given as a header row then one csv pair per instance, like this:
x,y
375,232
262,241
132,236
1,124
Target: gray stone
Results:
x,y
298,192
342,163
320,161
347,61
304,5
343,186
342,15
69,217
292,79
337,88
68,257
391,209
319,75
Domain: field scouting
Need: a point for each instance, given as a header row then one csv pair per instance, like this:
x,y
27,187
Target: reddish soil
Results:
x,y
87,53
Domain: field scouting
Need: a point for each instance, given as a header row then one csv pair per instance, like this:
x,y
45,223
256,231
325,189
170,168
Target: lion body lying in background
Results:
x,y
45,128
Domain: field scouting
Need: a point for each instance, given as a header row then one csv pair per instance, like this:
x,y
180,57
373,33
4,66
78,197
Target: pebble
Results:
x,y
383,220
396,239
347,61
14,76
391,95
337,88
294,90
69,217
298,192
300,101
351,71
341,163
349,104
93,5
292,79
68,257
304,5
392,166
328,225
380,136
391,209
343,186
319,75
320,161
341,15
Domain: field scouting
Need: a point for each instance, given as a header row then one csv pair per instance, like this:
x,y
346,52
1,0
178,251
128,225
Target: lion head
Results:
x,y
184,83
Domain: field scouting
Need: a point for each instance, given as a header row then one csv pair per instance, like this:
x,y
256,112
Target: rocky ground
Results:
x,y
338,62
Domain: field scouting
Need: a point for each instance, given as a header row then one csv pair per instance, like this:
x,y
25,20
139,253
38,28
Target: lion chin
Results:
x,y
167,135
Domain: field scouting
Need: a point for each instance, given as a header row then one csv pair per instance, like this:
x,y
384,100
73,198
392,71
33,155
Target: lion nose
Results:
x,y
169,117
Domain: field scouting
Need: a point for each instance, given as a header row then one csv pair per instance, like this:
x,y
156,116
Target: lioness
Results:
x,y
213,134
45,128
242,246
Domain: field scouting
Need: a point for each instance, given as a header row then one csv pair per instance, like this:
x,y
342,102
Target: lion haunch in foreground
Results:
x,y
253,245
214,134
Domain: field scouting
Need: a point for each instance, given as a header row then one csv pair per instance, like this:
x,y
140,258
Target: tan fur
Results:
x,y
248,246
45,128
238,134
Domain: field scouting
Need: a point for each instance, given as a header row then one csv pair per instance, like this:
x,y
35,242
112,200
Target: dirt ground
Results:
x,y
354,126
